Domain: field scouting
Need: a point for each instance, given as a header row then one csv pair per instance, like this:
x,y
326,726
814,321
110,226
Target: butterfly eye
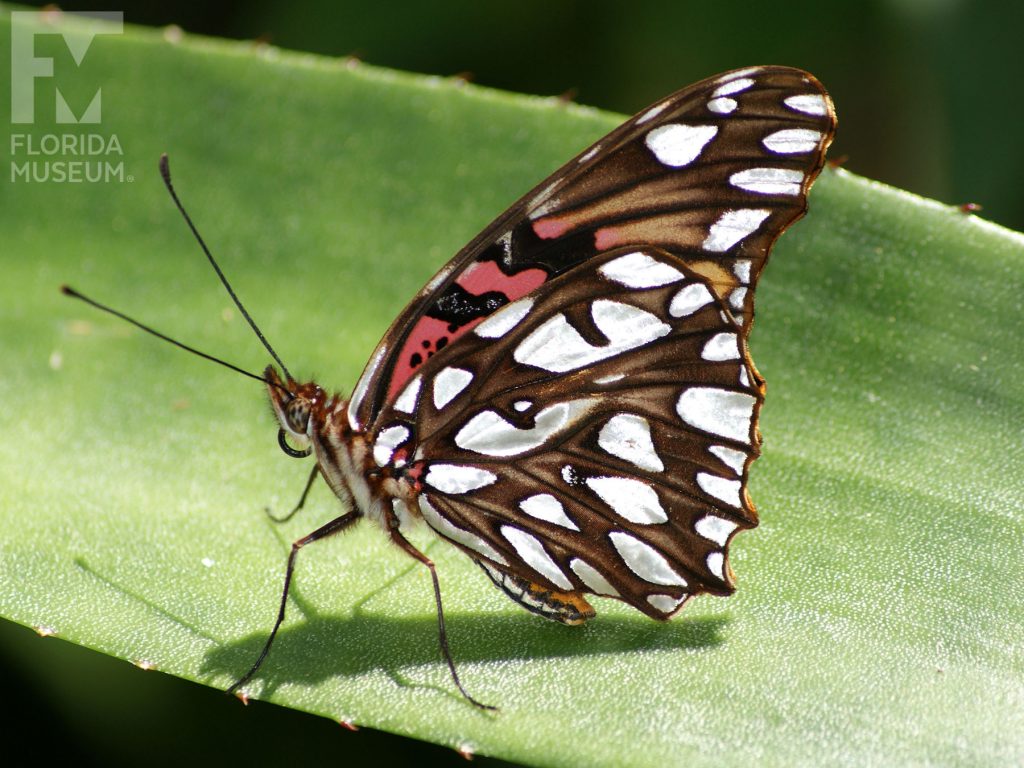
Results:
x,y
295,421
297,414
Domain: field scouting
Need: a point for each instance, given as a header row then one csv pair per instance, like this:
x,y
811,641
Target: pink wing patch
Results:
x,y
551,228
428,336
431,335
483,276
607,238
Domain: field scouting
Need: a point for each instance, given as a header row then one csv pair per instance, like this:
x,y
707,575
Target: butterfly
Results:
x,y
570,400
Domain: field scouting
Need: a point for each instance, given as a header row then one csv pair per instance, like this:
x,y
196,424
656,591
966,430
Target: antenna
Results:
x,y
165,172
69,291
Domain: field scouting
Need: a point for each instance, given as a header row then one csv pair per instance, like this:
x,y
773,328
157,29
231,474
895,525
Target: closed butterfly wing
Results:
x,y
592,437
570,399
712,174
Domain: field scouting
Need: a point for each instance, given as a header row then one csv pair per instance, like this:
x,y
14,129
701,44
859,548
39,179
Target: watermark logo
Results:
x,y
77,149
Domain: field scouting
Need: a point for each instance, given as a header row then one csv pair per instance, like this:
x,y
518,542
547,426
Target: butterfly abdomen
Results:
x,y
564,607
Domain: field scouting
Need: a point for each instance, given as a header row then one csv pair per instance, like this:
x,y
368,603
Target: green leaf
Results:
x,y
879,611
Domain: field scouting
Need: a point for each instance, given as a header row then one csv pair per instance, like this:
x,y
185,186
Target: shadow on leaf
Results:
x,y
320,648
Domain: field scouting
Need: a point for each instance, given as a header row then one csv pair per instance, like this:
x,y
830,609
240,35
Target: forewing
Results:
x,y
712,174
593,436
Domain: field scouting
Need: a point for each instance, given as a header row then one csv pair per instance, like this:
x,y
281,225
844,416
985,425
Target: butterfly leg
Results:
x,y
302,500
407,547
336,525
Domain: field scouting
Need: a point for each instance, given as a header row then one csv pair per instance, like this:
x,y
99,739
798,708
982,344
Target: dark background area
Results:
x,y
928,96
927,91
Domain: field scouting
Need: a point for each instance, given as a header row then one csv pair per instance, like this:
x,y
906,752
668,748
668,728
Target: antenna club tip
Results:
x,y
67,290
165,167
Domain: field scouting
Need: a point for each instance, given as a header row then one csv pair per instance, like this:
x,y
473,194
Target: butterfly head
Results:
x,y
294,405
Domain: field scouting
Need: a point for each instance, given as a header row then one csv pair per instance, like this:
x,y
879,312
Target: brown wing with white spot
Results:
x,y
593,436
711,174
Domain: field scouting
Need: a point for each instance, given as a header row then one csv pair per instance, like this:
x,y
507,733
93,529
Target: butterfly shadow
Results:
x,y
323,647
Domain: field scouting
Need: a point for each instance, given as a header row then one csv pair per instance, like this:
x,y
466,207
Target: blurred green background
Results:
x,y
928,98
927,90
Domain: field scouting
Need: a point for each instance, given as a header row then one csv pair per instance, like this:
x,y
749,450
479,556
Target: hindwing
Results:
x,y
593,436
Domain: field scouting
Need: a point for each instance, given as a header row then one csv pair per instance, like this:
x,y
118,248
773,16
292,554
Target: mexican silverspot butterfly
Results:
x,y
570,400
